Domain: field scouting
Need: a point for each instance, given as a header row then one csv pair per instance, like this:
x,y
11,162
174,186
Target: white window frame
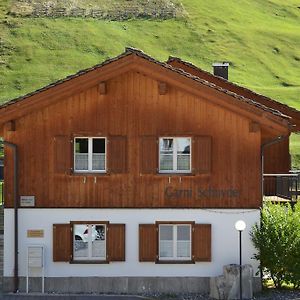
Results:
x,y
175,170
90,154
175,257
90,240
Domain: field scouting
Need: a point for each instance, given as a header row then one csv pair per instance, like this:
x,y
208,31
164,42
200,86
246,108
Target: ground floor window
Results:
x,y
89,242
175,242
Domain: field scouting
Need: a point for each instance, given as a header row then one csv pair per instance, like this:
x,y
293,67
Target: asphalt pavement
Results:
x,y
22,296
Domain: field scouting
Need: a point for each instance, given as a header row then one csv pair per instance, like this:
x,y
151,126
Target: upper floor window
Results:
x,y
90,154
175,155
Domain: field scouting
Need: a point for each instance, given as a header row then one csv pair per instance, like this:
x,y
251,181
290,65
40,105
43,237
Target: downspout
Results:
x,y
278,139
262,155
16,193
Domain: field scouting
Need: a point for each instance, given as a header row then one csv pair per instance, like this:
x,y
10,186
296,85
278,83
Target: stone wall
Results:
x,y
115,10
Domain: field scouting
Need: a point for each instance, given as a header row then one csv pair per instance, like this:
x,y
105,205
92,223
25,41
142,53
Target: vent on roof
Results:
x,y
221,69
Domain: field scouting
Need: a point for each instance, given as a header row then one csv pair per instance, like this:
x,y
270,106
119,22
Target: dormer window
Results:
x,y
175,155
90,154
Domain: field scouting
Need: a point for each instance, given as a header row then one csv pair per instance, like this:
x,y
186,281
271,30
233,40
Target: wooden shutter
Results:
x,y
148,247
116,242
62,242
202,154
62,154
201,242
117,154
148,155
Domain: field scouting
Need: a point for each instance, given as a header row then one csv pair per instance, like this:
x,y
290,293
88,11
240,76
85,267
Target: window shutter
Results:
x,y
202,154
116,242
148,247
62,242
63,154
117,154
148,155
201,243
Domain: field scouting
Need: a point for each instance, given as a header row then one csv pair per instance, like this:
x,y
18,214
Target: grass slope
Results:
x,y
261,39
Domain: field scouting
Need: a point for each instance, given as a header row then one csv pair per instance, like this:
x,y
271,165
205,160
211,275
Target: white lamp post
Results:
x,y
240,227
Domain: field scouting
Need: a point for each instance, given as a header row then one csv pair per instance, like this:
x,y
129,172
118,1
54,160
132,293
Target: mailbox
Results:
x,y
35,263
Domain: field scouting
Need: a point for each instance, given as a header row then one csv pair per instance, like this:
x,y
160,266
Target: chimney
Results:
x,y
221,69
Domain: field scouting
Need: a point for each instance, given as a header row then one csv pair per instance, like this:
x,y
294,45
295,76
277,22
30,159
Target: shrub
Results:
x,y
277,240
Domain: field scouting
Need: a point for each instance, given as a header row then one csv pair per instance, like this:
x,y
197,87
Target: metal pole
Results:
x,y
241,286
16,193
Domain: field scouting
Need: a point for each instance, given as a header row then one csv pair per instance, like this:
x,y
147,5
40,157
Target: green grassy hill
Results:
x,y
261,40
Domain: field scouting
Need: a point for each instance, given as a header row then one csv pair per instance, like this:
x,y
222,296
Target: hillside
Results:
x,y
260,39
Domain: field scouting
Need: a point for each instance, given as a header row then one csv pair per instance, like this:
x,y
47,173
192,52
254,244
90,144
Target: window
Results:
x,y
175,155
89,242
90,154
175,242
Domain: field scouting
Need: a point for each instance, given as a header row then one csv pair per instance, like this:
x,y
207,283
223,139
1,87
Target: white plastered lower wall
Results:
x,y
225,241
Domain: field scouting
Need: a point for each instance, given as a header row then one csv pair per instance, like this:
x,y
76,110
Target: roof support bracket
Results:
x,y
102,88
10,125
254,127
162,88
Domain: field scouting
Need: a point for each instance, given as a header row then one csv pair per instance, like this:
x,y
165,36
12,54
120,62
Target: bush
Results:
x,y
277,240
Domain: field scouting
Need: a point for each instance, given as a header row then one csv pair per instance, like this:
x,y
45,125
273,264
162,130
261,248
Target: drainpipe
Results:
x,y
16,193
262,154
278,139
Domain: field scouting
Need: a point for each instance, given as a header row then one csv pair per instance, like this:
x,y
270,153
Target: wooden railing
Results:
x,y
283,186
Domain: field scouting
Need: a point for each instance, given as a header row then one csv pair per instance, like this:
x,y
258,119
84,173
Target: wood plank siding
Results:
x,y
135,114
277,157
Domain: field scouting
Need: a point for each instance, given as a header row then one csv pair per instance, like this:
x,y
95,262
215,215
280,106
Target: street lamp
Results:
x,y
240,227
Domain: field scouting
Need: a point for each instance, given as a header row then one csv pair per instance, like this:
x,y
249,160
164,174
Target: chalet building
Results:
x,y
132,174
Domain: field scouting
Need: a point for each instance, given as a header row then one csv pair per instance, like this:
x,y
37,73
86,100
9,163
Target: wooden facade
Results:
x,y
133,101
131,214
277,156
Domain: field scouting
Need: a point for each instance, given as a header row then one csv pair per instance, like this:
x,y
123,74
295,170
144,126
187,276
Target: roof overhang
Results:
x,y
133,59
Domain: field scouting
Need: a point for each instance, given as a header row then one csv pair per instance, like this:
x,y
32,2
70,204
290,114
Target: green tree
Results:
x,y
277,240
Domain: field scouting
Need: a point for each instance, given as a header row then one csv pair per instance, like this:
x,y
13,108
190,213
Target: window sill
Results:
x,y
90,174
175,174
164,262
89,262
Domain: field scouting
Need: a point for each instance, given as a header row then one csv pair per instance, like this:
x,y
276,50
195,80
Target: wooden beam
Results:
x,y
162,88
10,126
102,88
254,127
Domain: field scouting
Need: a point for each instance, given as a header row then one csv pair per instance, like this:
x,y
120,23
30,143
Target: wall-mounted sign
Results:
x,y
27,201
35,233
174,193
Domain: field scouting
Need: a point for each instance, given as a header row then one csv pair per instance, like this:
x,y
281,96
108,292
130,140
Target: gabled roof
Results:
x,y
130,58
243,91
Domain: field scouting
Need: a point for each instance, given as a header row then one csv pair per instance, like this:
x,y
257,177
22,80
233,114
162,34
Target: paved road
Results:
x,y
68,297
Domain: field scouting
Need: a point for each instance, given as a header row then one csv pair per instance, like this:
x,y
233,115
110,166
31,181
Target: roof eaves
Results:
x,y
174,58
207,83
139,53
67,78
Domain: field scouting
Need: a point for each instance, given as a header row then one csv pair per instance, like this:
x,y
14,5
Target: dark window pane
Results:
x,y
98,145
81,145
